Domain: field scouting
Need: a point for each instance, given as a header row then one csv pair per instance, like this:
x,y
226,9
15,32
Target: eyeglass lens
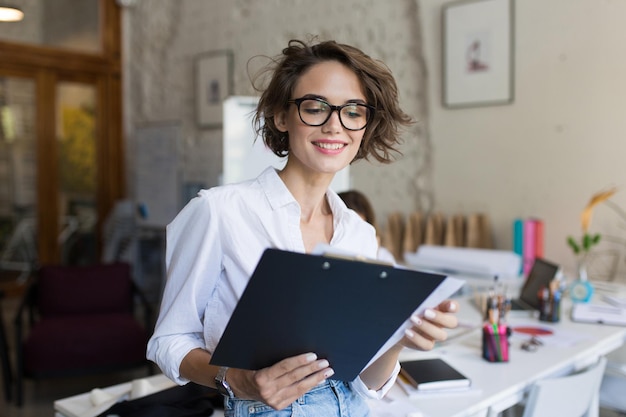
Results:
x,y
353,116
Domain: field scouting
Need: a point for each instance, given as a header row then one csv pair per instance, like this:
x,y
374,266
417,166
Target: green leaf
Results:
x,y
596,239
572,243
586,242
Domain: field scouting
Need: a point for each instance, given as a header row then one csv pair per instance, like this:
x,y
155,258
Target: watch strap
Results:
x,y
223,387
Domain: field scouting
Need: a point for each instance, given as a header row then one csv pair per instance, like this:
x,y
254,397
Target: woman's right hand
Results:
x,y
282,383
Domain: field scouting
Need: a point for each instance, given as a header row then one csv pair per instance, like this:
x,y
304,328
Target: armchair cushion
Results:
x,y
84,289
81,322
90,341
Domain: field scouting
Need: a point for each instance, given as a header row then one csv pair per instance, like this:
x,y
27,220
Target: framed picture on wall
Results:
x,y
214,82
478,53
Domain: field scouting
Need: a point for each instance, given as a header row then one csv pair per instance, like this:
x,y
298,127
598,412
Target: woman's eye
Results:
x,y
353,112
314,107
314,110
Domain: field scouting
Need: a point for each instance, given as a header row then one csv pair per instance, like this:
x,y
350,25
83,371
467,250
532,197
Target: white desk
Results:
x,y
497,386
82,405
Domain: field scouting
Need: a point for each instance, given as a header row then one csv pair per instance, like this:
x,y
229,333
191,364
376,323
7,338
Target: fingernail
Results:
x,y
416,320
311,357
429,314
323,364
409,333
329,373
452,306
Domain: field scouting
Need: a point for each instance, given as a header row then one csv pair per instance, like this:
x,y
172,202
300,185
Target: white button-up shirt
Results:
x,y
213,246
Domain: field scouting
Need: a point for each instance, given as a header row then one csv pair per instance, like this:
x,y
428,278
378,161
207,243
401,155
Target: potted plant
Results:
x,y
582,290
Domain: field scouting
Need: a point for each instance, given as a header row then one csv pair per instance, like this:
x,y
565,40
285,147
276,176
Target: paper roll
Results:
x,y
140,388
98,396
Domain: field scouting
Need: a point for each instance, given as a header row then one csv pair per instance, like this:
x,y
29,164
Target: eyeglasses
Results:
x,y
532,344
316,112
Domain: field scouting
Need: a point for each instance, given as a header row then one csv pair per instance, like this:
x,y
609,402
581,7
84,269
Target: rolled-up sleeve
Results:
x,y
193,267
359,386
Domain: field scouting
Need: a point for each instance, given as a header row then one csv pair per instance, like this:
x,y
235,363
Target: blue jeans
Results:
x,y
329,399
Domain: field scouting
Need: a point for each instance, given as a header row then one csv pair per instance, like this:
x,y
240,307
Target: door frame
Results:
x,y
47,67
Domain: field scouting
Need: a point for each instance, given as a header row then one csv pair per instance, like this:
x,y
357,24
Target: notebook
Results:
x,y
432,374
540,275
599,313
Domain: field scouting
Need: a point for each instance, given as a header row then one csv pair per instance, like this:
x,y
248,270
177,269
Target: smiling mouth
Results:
x,y
332,146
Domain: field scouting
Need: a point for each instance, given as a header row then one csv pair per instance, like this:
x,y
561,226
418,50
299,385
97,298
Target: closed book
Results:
x,y
432,374
518,236
539,239
518,240
529,241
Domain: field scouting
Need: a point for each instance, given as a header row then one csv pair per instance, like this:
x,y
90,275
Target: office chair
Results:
x,y
20,251
574,395
613,388
81,321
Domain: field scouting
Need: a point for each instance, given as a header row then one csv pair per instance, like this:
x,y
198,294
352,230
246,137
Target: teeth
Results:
x,y
333,146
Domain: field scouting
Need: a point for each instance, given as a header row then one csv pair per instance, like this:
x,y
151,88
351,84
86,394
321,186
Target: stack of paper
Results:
x,y
465,261
599,313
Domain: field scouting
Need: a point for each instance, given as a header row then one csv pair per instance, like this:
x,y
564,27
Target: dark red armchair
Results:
x,y
80,320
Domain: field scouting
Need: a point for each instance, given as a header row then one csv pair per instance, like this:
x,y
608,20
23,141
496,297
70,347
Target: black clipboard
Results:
x,y
343,310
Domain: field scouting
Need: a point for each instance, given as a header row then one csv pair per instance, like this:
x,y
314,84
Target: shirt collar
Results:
x,y
279,195
275,189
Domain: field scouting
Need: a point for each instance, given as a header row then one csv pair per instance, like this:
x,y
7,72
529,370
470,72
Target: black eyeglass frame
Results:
x,y
298,101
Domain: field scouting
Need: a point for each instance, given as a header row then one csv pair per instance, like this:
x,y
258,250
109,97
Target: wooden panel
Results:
x,y
47,169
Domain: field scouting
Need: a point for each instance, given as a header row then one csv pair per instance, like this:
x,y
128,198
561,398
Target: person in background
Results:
x,y
326,105
358,202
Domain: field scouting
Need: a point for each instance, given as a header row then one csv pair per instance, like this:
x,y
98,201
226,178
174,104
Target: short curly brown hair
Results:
x,y
382,134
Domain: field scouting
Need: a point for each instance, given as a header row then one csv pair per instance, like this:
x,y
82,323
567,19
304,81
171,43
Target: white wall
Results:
x,y
164,37
561,140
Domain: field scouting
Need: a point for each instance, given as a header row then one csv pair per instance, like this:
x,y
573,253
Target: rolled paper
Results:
x,y
140,388
98,396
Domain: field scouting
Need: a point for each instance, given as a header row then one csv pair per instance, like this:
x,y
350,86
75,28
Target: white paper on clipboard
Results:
x,y
445,290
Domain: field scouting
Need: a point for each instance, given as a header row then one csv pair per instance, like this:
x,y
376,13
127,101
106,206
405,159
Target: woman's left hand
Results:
x,y
431,326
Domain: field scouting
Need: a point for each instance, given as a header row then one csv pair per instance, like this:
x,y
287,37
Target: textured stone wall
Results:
x,y
47,22
163,38
28,30
72,24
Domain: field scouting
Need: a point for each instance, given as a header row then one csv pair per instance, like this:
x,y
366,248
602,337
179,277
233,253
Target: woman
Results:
x,y
358,202
326,106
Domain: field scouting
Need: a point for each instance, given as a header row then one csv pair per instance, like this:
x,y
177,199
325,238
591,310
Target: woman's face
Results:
x,y
328,148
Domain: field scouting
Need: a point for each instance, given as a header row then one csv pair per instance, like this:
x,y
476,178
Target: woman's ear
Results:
x,y
280,121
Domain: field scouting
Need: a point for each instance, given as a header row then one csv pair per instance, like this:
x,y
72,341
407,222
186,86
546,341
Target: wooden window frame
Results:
x,y
47,66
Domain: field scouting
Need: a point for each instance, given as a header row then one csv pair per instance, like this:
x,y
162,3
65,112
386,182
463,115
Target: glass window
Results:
x,y
18,175
65,24
76,136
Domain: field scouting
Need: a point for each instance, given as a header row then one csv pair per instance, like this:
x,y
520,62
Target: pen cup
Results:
x,y
496,342
550,310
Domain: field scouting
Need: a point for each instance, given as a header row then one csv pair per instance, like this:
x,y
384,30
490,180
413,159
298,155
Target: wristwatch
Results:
x,y
222,386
